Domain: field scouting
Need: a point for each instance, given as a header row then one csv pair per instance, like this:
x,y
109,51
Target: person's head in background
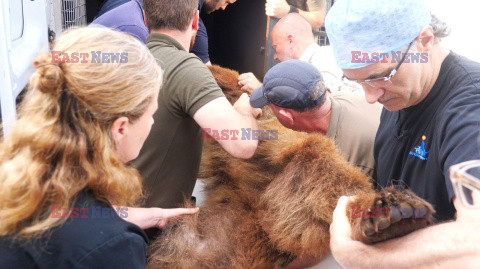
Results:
x,y
178,18
296,93
213,5
366,36
77,127
291,36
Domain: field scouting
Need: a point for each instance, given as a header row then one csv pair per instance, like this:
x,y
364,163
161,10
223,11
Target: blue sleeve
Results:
x,y
200,48
135,31
126,250
460,133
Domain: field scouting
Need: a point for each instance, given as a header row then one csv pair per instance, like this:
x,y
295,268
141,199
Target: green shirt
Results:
x,y
170,158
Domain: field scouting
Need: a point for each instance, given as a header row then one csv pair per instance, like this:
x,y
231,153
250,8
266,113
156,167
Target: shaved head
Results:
x,y
291,36
294,24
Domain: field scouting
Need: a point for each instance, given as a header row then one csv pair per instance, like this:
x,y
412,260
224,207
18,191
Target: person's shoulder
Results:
x,y
350,98
126,250
13,255
78,243
99,234
354,106
122,13
138,31
97,219
91,227
170,54
461,104
461,78
462,72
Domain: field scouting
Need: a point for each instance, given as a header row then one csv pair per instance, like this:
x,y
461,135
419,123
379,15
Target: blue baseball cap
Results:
x,y
289,84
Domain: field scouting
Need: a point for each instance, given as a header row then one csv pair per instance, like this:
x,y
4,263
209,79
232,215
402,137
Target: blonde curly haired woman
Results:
x,y
63,165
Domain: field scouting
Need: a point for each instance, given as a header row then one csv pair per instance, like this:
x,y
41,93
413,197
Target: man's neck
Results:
x,y
302,48
438,56
435,60
183,37
319,120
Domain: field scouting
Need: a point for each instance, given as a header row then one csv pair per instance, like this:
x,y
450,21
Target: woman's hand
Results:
x,y
155,217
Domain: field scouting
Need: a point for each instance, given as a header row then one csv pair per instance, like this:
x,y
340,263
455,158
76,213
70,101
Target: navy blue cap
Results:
x,y
289,84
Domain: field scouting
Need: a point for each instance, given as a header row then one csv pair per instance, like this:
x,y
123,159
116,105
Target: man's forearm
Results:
x,y
249,122
315,17
438,246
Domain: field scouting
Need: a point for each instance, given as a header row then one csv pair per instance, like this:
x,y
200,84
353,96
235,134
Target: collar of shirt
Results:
x,y
308,53
155,38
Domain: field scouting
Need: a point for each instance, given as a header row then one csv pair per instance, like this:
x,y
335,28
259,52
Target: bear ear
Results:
x,y
227,80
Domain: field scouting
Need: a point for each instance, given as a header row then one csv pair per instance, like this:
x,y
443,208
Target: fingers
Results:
x,y
248,82
277,8
340,211
340,219
245,76
257,113
167,215
177,212
247,88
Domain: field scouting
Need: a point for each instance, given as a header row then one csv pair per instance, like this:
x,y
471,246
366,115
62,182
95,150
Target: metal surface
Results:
x,y
73,13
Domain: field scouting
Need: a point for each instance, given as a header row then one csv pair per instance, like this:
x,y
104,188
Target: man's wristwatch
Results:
x,y
293,9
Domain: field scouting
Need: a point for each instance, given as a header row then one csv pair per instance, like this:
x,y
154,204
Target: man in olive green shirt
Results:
x,y
189,101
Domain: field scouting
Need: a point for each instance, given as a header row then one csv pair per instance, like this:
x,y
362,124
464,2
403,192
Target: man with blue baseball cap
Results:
x,y
430,121
296,93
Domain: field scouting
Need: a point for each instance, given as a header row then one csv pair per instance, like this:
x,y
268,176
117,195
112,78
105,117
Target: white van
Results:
x,y
23,34
25,29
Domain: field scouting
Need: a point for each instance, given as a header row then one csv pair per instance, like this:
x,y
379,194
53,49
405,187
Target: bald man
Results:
x,y
292,38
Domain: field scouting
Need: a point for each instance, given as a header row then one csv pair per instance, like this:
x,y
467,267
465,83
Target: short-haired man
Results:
x,y
200,47
296,93
312,10
128,16
430,122
190,100
292,38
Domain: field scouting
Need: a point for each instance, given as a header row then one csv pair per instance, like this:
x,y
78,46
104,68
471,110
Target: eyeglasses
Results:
x,y
465,178
381,81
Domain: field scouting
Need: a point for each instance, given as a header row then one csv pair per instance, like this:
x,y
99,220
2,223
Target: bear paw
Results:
x,y
391,213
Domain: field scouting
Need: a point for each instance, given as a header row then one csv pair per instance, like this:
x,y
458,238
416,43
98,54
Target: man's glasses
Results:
x,y
465,178
381,81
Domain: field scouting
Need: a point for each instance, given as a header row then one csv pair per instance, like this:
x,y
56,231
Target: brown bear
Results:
x,y
268,210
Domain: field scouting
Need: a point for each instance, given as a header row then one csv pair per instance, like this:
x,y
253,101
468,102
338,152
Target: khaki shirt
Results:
x,y
353,126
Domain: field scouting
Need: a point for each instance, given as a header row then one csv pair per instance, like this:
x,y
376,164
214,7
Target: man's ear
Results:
x,y
290,38
119,128
425,39
286,115
196,18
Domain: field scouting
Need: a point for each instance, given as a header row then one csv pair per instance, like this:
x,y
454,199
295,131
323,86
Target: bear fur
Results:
x,y
268,210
